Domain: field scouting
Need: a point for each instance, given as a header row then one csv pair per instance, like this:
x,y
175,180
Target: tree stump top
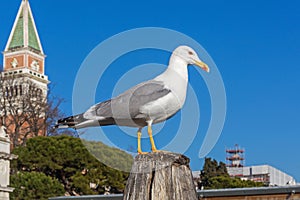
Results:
x,y
162,175
157,161
164,157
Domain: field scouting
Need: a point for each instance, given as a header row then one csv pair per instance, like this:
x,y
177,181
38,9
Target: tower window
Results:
x,y
16,90
21,90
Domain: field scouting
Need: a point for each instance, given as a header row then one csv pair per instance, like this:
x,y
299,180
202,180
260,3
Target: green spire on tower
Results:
x,y
24,33
18,34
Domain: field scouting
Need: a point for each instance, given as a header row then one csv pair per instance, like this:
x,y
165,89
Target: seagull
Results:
x,y
145,104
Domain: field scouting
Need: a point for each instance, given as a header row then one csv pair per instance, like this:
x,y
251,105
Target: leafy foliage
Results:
x,y
112,157
66,159
212,169
228,182
35,185
215,176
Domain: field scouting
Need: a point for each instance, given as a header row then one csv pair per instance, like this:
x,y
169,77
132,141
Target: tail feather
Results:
x,y
78,122
70,122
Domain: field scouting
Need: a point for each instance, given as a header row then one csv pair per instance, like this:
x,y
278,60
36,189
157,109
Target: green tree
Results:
x,y
222,170
214,175
35,185
67,160
112,157
211,169
228,182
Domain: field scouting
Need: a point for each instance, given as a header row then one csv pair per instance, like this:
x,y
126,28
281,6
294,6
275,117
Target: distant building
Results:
x,y
262,173
5,158
23,54
23,75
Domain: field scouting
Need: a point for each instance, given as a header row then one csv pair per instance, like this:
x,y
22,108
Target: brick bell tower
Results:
x,y
23,54
24,67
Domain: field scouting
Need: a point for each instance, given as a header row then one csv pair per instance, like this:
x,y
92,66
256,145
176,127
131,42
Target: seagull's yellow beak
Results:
x,y
202,65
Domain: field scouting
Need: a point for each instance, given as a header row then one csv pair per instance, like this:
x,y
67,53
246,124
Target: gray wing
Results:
x,y
145,94
127,105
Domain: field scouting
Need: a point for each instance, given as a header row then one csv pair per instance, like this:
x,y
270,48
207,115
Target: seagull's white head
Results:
x,y
190,57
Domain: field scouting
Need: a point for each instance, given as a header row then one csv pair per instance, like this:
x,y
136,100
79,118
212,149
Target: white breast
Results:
x,y
162,108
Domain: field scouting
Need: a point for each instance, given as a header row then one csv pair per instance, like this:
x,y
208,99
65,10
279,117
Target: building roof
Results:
x,y
24,33
249,191
206,193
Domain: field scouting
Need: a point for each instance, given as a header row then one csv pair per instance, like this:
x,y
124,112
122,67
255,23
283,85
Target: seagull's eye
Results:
x,y
191,53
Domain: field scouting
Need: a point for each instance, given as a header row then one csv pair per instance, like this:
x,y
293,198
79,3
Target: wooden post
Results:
x,y
160,176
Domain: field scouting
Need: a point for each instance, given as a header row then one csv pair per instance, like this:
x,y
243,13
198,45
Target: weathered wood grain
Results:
x,y
160,176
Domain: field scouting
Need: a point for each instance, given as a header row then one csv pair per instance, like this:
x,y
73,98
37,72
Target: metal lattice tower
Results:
x,y
235,157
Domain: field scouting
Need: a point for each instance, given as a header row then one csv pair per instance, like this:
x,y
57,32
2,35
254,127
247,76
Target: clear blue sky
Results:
x,y
255,44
